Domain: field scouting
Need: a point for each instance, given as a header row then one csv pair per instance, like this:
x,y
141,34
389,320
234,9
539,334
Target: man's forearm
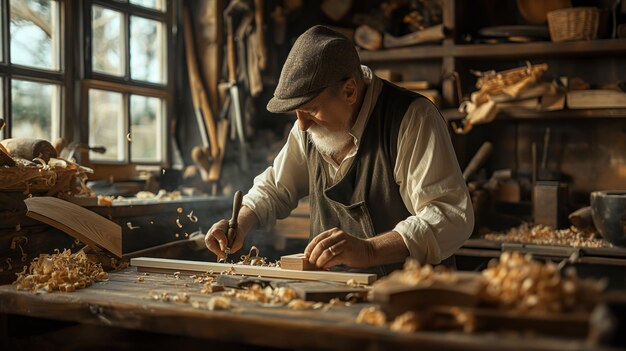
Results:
x,y
388,248
247,220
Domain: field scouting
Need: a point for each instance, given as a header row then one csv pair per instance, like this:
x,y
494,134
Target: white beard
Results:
x,y
326,141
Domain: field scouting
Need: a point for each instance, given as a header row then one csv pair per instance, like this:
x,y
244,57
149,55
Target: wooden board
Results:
x,y
146,264
321,291
396,297
78,222
297,262
324,291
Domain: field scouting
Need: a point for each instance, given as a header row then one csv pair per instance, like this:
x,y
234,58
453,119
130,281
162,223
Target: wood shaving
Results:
x,y
207,288
407,322
202,279
252,258
267,295
179,210
464,318
140,279
413,273
353,283
192,218
298,304
131,226
371,316
198,304
105,200
219,303
518,282
546,235
181,298
178,223
62,271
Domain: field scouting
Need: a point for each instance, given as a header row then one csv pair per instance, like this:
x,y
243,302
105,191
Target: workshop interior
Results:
x,y
313,175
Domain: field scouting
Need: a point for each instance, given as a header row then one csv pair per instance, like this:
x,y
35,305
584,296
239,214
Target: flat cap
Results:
x,y
320,57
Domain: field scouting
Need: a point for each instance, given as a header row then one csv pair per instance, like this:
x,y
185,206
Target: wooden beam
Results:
x,y
146,264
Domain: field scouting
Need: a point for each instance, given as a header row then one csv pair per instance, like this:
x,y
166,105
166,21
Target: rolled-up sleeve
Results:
x,y
431,185
276,191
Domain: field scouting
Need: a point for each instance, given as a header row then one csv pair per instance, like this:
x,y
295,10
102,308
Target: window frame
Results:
x,y
125,84
63,77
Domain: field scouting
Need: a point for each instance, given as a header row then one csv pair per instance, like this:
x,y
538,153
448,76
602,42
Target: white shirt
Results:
x,y
426,171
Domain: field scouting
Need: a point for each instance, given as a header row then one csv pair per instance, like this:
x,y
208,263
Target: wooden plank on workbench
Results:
x,y
146,264
82,224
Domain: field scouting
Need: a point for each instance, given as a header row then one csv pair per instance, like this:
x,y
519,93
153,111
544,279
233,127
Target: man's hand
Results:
x,y
217,242
334,247
216,239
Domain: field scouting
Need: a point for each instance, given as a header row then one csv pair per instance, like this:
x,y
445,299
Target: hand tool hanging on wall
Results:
x,y
213,135
235,101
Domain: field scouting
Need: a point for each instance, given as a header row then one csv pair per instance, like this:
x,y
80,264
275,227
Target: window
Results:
x,y
128,87
119,53
31,71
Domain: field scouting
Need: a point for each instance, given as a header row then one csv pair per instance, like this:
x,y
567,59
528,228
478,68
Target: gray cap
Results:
x,y
319,58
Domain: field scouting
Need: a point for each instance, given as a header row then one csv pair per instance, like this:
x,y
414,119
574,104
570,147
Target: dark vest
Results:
x,y
366,201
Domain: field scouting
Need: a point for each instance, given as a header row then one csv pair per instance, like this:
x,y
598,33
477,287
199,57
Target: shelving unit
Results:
x,y
582,140
496,51
529,115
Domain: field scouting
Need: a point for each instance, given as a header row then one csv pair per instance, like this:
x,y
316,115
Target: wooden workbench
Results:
x,y
123,302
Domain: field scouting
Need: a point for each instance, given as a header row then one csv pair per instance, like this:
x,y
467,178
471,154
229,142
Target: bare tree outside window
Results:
x,y
153,4
106,125
35,107
147,50
146,116
108,41
34,33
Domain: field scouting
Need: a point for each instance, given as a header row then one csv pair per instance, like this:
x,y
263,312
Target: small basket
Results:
x,y
575,23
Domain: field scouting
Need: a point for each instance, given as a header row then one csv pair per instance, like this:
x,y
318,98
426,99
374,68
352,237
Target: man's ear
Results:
x,y
350,91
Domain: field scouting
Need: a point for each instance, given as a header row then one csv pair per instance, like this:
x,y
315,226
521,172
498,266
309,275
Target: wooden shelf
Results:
x,y
540,49
421,52
499,51
454,115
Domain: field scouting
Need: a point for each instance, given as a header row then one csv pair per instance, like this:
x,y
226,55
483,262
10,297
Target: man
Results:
x,y
376,161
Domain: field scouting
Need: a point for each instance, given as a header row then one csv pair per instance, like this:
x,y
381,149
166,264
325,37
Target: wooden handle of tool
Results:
x,y
230,47
232,224
479,158
200,158
236,208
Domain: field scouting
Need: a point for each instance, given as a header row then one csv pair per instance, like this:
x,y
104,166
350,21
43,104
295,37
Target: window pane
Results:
x,y
153,4
146,128
35,110
35,33
107,125
147,50
108,41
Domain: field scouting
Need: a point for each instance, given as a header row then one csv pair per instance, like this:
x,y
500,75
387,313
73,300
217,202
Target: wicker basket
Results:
x,y
576,23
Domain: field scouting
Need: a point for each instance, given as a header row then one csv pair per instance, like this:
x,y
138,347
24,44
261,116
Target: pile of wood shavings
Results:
x,y
62,271
546,235
518,282
413,273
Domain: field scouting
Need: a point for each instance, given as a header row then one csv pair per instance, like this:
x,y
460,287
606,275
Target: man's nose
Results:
x,y
304,121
